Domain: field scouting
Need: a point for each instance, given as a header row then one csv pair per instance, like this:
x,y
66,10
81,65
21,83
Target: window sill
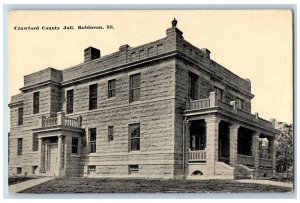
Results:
x,y
92,154
75,155
111,98
135,102
135,152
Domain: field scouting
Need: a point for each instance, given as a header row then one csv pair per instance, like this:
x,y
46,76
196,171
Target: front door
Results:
x,y
52,158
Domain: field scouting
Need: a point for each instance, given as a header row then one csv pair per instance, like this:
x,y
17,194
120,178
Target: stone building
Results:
x,y
159,110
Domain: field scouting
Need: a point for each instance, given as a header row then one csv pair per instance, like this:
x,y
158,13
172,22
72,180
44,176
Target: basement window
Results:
x,y
92,169
133,169
19,170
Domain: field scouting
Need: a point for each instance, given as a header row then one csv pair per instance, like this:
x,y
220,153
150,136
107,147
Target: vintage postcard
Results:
x,y
150,101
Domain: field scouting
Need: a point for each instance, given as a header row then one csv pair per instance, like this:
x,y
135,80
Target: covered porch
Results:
x,y
220,142
57,139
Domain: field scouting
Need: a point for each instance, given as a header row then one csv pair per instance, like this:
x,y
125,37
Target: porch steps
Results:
x,y
243,172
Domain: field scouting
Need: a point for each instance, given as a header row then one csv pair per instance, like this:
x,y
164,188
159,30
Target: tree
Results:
x,y
284,154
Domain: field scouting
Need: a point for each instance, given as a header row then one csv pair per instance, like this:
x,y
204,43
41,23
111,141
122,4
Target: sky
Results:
x,y
254,44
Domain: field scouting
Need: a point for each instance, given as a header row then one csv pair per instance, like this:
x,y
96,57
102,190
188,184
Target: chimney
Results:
x,y
91,53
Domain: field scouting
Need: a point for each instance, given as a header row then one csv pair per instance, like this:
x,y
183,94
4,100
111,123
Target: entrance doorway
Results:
x,y
224,143
52,155
198,135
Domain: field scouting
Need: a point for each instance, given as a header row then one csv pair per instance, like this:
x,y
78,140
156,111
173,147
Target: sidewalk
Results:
x,y
27,184
267,182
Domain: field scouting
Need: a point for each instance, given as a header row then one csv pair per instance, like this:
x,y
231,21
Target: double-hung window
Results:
x,y
93,97
36,102
35,142
193,79
134,137
70,101
92,140
20,146
74,145
240,103
219,93
135,87
111,88
110,133
20,116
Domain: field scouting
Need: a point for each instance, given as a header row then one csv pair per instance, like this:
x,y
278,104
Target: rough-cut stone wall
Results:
x,y
43,76
154,112
29,158
206,84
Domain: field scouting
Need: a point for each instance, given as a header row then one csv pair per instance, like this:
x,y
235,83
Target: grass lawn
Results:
x,y
18,179
96,185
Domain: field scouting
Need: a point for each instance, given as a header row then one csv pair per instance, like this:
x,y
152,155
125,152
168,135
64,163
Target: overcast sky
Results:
x,y
253,44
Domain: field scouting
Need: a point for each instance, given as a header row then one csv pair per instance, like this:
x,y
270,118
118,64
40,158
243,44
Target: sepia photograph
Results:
x,y
150,101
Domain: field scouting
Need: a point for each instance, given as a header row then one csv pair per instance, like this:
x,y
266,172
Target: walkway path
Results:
x,y
267,182
15,188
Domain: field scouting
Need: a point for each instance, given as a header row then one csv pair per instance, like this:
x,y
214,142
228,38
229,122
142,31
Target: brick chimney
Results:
x,y
91,53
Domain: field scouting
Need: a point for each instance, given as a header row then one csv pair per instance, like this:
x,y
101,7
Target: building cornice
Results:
x,y
119,68
210,72
14,104
37,85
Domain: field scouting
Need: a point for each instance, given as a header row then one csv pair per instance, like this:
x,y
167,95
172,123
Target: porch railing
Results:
x,y
197,155
49,122
200,104
212,101
72,122
265,162
60,120
245,160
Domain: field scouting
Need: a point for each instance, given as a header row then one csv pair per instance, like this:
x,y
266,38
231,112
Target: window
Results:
x,y
70,101
93,97
20,146
133,169
111,88
20,116
35,142
240,103
34,169
74,145
110,133
36,102
193,78
91,169
134,133
135,87
19,170
92,140
219,93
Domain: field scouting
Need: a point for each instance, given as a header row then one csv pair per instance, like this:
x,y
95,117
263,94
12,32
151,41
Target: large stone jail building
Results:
x,y
159,110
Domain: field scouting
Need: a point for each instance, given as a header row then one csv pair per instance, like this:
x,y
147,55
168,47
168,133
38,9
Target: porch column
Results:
x,y
186,143
255,153
212,131
233,142
67,154
272,153
59,154
41,156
